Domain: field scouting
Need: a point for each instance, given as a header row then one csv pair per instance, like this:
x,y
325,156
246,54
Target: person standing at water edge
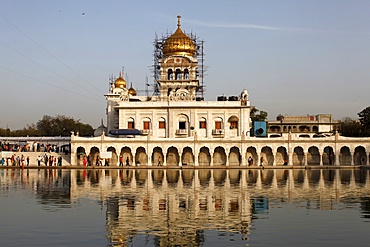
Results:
x,y
250,161
159,161
127,162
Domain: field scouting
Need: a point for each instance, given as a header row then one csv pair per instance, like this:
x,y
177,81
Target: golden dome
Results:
x,y
120,82
132,91
179,43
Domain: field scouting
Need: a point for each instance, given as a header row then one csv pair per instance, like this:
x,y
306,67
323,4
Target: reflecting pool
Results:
x,y
185,207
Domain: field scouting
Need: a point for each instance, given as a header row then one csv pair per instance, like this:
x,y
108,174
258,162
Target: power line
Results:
x,y
29,77
50,54
42,66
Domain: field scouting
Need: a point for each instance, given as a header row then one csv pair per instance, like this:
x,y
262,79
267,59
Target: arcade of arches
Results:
x,y
225,156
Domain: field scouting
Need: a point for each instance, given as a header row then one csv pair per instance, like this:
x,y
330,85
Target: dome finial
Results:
x,y
178,20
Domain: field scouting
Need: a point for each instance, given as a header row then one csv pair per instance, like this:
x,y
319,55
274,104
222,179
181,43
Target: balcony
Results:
x,y
218,132
145,132
182,132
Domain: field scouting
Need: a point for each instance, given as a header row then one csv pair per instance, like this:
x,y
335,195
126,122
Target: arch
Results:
x,y
80,155
114,160
328,156
130,123
252,152
146,125
94,158
234,157
183,125
141,158
172,157
267,156
187,157
204,157
281,156
345,158
186,74
304,128
219,156
233,121
359,156
219,123
162,127
157,156
126,153
298,156
170,74
313,156
178,74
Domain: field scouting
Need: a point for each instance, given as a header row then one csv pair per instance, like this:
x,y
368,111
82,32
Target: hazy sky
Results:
x,y
294,57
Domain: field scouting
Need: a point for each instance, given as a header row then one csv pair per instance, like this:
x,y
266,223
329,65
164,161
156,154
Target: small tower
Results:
x,y
178,79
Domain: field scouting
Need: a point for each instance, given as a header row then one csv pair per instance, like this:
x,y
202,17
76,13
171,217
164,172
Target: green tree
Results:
x,y
62,126
257,115
350,127
364,117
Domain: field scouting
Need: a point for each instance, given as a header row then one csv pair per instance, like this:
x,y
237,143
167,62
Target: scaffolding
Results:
x,y
158,55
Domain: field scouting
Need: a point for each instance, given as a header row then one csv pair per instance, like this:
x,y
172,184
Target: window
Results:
x,y
130,125
182,125
202,124
146,125
178,74
218,125
233,124
162,124
169,75
186,74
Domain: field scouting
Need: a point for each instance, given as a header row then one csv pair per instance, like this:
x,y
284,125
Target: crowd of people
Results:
x,y
29,147
22,160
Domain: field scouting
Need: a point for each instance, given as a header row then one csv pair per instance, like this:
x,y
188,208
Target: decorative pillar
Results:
x,y
305,158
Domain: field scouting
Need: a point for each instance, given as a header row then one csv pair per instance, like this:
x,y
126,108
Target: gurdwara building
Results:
x,y
175,126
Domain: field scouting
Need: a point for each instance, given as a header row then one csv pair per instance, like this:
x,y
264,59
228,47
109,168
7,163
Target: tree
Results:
x,y
364,117
257,115
62,126
350,127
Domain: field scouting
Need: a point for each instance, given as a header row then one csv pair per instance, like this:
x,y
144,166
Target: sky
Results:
x,y
294,57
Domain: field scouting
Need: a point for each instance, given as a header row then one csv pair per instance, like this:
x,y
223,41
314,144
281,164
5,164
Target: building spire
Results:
x,y
178,20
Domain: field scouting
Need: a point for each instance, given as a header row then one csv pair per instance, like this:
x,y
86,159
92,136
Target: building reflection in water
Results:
x,y
180,206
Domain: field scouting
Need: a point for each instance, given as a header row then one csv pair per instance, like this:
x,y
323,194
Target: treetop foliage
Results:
x,y
52,126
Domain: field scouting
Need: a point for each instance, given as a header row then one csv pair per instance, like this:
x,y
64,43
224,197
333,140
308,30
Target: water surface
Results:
x,y
185,207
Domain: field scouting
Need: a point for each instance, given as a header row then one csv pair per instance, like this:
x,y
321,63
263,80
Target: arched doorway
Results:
x,y
141,158
219,156
204,158
172,158
313,156
234,157
187,157
298,156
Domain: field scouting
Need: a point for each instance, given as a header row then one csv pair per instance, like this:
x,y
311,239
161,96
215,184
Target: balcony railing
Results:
x,y
218,132
145,131
181,132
